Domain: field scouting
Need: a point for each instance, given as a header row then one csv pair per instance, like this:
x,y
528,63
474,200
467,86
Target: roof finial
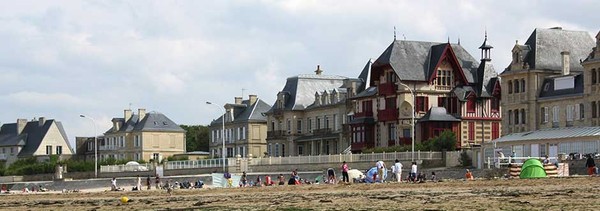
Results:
x,y
404,37
318,71
458,40
448,39
394,33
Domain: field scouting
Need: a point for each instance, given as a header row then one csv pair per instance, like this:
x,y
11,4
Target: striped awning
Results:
x,y
551,133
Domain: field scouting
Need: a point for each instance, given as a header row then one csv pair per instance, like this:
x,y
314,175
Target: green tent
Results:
x,y
532,168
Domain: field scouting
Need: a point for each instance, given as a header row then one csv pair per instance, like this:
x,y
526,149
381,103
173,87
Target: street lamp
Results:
x,y
412,122
222,131
95,144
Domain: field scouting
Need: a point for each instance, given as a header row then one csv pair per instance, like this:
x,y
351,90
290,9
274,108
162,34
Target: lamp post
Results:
x,y
95,144
412,122
222,131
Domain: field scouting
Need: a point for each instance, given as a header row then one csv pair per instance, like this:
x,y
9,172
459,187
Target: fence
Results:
x,y
191,164
123,168
345,157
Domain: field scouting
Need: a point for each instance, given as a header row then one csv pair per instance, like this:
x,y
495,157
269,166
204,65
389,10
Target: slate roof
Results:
x,y
300,90
371,91
438,114
152,121
365,77
415,60
31,137
549,92
462,92
485,74
551,133
248,113
546,45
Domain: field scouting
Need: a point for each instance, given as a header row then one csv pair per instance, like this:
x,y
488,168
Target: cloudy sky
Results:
x,y
59,59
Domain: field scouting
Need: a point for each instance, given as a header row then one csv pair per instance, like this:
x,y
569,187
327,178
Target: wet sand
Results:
x,y
582,193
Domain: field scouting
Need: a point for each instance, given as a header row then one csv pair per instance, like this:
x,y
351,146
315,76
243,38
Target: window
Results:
x,y
510,116
594,77
58,150
517,86
335,122
244,132
300,150
156,156
523,116
576,111
299,126
517,117
327,122
90,145
495,130
390,103
555,113
523,85
422,104
406,133
282,150
318,123
581,111
392,132
471,105
544,114
309,125
471,131
510,87
276,150
444,78
230,152
288,126
495,104
48,150
594,110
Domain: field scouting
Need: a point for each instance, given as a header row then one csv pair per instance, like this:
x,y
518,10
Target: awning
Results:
x,y
551,133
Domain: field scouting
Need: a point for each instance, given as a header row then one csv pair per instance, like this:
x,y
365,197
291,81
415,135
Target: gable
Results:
x,y
448,56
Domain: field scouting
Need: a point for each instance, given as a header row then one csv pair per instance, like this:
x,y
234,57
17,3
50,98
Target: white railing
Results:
x,y
192,164
123,168
370,157
498,162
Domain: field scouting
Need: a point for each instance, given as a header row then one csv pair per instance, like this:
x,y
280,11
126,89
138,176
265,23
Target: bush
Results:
x,y
30,166
445,141
465,160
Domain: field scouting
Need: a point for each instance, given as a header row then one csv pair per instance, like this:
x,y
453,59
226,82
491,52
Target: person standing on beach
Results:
x,y
413,171
139,183
148,182
157,182
591,165
345,168
380,168
398,169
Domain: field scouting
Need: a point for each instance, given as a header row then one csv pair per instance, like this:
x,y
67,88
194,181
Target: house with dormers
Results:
x,y
310,115
446,86
551,101
245,129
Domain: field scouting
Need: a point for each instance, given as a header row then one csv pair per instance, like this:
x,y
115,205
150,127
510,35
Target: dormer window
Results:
x,y
471,105
444,79
516,57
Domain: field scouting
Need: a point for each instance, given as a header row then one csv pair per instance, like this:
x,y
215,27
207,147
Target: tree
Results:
x,y
445,141
196,137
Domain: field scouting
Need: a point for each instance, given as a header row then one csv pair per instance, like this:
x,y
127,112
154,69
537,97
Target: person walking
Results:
x,y
398,170
345,168
380,169
413,171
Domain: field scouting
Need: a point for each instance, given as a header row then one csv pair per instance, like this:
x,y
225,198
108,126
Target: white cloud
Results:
x,y
43,100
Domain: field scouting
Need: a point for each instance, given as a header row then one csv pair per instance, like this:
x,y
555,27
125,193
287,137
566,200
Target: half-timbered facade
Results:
x,y
446,86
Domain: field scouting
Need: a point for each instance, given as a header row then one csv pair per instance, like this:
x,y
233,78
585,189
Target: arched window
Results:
x,y
523,85
510,87
517,86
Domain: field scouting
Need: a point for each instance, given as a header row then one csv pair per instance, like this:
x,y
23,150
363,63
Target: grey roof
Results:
x,y
300,90
416,60
365,77
438,114
31,137
248,113
152,121
551,133
462,92
547,44
548,90
371,91
484,74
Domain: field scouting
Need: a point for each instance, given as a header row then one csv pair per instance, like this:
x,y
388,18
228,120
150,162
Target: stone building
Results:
x,y
245,129
142,136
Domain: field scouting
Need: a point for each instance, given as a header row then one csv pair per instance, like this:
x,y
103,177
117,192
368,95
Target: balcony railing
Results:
x,y
276,134
387,115
387,89
321,131
364,114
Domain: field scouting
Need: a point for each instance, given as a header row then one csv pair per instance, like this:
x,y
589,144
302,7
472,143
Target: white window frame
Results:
x,y
570,110
555,114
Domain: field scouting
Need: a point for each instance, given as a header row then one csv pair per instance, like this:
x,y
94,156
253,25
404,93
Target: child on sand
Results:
x,y
469,175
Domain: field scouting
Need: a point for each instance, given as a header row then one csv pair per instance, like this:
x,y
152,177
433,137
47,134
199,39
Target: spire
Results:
x,y
458,40
318,71
485,49
448,39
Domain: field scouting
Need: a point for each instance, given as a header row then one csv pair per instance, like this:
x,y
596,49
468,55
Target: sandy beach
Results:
x,y
539,194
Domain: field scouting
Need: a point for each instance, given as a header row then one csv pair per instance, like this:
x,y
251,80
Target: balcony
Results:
x,y
387,115
359,146
322,131
364,114
387,89
276,134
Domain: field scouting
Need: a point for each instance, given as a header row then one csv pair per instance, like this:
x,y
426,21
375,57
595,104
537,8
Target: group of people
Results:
x,y
268,181
168,185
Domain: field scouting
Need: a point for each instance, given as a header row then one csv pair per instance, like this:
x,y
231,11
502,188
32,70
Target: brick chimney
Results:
x,y
127,114
565,63
237,100
252,99
41,121
141,114
21,123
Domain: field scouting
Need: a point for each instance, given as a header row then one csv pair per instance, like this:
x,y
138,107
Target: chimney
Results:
x,y
141,114
318,71
127,114
41,121
21,123
252,99
565,62
237,100
116,125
